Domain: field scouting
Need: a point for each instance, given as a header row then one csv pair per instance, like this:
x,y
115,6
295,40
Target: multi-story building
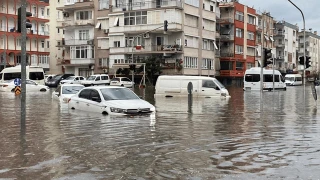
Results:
x,y
312,50
237,40
84,24
264,34
136,32
37,44
285,36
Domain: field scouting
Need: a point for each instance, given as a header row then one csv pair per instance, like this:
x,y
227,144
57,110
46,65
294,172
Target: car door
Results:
x,y
76,80
31,86
98,80
82,100
209,88
93,105
126,82
105,80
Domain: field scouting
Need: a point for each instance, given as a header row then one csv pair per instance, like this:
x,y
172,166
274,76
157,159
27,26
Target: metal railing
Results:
x,y
145,5
226,54
70,2
71,42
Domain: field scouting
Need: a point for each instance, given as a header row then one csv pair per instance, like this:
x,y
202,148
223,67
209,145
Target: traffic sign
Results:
x,y
17,81
17,90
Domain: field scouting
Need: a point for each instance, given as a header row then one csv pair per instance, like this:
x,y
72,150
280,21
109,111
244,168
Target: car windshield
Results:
x,y
71,89
91,78
115,79
70,78
219,84
289,78
57,77
118,94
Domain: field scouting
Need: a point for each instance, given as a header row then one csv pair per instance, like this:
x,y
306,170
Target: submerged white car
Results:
x,y
73,80
31,86
121,81
110,100
65,91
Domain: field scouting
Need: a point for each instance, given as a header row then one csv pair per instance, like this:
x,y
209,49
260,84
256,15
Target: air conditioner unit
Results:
x,y
106,31
146,35
90,42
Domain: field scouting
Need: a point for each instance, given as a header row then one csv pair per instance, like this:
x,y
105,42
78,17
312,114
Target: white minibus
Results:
x,y
34,73
251,80
293,79
177,86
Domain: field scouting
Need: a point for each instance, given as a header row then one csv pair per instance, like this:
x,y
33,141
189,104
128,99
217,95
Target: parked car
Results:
x,y
110,100
55,81
48,76
73,80
65,91
121,81
97,79
30,86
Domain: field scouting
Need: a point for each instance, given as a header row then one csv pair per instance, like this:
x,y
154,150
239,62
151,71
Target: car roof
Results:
x,y
71,85
99,75
103,87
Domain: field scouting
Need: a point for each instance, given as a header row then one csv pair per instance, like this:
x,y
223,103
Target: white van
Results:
x,y
251,80
171,86
34,73
293,79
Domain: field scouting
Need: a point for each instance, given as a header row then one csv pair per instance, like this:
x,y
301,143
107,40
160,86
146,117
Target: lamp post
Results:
x,y
304,43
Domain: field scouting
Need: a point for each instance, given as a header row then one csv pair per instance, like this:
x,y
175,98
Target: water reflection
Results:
x,y
243,137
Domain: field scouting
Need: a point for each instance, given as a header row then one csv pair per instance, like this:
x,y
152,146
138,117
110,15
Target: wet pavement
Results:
x,y
243,137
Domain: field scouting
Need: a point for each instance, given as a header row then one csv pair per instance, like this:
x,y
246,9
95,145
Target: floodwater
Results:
x,y
244,137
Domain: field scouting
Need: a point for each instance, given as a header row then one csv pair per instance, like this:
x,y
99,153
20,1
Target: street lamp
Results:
x,y
304,42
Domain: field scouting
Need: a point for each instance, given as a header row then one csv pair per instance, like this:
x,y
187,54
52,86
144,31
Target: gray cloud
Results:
x,y
284,10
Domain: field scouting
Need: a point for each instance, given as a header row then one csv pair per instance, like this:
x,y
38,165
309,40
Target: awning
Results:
x,y
266,37
98,26
215,45
271,38
116,21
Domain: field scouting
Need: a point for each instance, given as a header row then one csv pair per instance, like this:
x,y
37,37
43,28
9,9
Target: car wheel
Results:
x,y
43,90
105,113
122,85
285,89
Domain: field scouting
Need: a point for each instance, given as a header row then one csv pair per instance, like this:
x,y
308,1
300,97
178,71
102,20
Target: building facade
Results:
x,y
312,50
285,36
265,33
237,40
37,44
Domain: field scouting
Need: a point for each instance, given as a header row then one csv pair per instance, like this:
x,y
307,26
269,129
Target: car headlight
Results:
x,y
117,110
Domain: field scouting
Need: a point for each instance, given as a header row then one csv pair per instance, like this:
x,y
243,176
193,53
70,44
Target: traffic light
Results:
x,y
301,60
308,62
132,67
267,56
28,24
165,25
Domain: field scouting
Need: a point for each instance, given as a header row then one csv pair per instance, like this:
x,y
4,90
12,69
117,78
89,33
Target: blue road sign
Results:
x,y
17,81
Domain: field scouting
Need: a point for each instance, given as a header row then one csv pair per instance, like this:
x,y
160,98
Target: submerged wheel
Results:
x,y
105,113
122,85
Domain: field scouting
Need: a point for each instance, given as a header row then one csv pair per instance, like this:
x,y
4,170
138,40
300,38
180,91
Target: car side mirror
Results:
x,y
56,93
96,99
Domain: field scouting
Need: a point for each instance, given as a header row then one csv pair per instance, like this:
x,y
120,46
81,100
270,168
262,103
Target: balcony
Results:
x,y
75,61
71,5
146,5
74,42
63,62
225,20
226,54
281,44
232,73
72,23
145,27
229,37
279,33
157,49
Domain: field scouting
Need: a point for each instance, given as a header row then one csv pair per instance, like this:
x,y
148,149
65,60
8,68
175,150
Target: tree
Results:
x,y
153,68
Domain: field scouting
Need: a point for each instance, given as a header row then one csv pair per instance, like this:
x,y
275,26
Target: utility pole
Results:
x,y
23,63
262,57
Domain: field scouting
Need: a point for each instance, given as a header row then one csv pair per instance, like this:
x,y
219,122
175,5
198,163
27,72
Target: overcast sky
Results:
x,y
284,10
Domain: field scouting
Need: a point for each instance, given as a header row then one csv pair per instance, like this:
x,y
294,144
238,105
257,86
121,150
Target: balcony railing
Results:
x,y
72,42
278,33
146,5
229,37
226,54
69,22
70,2
148,49
224,20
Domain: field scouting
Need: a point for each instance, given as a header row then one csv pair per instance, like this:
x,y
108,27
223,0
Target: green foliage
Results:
x,y
152,67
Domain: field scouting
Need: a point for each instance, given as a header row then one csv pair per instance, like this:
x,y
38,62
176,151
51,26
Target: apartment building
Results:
x,y
136,32
84,45
264,33
37,44
285,36
237,40
312,50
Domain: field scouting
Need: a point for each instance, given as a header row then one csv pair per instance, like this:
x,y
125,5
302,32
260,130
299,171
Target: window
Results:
x,y
116,43
226,65
85,94
48,12
18,42
239,65
207,64
209,84
83,15
58,30
104,77
48,44
294,33
191,20
35,43
83,34
42,44
239,16
36,75
94,93
42,11
135,18
239,49
205,45
9,76
211,8
81,52
103,4
251,19
250,35
190,62
239,33
252,78
192,2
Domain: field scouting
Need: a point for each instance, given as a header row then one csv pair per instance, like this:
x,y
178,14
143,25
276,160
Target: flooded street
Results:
x,y
237,138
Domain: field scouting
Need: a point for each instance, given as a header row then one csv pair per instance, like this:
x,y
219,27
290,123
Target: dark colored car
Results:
x,y
55,81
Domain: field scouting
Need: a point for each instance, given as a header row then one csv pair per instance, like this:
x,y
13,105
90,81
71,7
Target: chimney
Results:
x,y
315,32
